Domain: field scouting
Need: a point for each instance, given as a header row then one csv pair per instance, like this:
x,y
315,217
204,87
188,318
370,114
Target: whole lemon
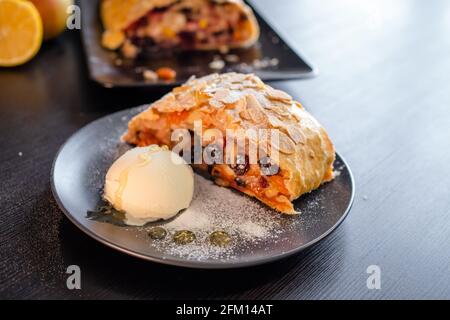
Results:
x,y
54,16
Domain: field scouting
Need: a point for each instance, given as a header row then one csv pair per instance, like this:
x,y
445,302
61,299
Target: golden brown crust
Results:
x,y
117,15
238,101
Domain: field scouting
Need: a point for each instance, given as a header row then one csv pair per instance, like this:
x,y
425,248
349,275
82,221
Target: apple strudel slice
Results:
x,y
139,27
298,161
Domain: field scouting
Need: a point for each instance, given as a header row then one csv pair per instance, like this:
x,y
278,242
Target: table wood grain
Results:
x,y
383,93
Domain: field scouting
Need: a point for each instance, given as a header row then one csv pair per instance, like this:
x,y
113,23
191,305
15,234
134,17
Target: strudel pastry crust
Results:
x,y
184,24
237,101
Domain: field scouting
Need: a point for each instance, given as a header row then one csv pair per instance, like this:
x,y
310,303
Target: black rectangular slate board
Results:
x,y
103,67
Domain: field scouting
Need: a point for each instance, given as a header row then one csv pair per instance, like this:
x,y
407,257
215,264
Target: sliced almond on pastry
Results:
x,y
277,95
226,96
284,144
295,133
245,115
216,103
275,122
254,109
187,99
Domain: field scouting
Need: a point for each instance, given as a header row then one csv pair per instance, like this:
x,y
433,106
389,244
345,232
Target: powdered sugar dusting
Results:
x,y
215,208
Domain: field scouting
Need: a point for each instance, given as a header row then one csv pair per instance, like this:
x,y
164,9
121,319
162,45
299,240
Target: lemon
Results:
x,y
54,16
21,32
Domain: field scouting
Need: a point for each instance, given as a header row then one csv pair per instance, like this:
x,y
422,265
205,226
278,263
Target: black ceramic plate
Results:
x,y
77,180
103,66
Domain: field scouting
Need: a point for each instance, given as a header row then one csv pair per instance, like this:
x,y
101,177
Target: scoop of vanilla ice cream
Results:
x,y
148,184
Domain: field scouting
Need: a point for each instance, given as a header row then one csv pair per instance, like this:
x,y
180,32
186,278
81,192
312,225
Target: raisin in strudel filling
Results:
x,y
264,180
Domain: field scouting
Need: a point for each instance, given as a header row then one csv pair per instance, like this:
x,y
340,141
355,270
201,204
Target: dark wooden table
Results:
x,y
383,93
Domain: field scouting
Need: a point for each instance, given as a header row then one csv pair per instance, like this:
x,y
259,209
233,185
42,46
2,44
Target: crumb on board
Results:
x,y
150,75
265,63
166,73
217,64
